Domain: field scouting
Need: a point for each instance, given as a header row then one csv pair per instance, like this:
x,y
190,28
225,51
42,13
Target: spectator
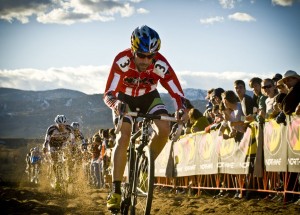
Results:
x,y
292,80
199,122
246,100
112,138
236,122
186,121
281,87
276,78
280,117
224,129
259,100
208,113
216,98
208,95
270,91
217,120
187,124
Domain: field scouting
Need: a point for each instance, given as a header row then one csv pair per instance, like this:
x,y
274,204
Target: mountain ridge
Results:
x,y
28,114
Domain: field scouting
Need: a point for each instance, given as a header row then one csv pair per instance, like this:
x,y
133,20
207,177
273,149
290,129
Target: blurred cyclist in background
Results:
x,y
58,136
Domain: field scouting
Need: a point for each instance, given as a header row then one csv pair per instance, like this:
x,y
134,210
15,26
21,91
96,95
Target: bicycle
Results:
x,y
58,175
137,191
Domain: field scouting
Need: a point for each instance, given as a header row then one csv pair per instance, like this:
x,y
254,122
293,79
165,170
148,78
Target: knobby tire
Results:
x,y
142,197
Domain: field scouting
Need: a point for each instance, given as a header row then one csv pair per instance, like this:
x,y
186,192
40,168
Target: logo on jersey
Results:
x,y
142,82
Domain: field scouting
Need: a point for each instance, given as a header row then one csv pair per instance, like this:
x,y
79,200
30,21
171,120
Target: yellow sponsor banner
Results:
x,y
275,150
293,143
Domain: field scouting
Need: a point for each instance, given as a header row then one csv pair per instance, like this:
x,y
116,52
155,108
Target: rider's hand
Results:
x,y
181,115
120,108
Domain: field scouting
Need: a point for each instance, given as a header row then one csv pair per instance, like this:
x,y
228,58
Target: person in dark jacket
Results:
x,y
292,80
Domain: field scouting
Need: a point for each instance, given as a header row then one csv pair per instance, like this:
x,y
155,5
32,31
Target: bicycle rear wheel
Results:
x,y
142,197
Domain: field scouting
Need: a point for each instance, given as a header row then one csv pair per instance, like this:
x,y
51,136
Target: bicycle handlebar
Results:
x,y
151,116
138,114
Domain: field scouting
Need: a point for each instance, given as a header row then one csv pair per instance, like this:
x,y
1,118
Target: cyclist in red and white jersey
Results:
x,y
133,80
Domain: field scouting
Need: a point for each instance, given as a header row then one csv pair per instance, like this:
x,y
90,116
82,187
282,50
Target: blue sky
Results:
x,y
49,44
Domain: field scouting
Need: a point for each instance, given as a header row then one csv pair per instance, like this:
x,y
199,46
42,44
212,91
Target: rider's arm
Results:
x,y
47,139
114,81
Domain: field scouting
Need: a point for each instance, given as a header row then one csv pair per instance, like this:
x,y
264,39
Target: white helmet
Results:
x,y
60,119
75,125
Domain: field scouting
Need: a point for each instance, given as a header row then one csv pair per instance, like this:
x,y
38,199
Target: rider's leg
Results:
x,y
119,153
118,167
160,138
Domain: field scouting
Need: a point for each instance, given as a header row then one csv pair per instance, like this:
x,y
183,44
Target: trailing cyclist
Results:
x,y
58,137
133,80
35,164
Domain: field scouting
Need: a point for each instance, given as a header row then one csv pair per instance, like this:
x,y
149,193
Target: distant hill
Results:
x,y
28,114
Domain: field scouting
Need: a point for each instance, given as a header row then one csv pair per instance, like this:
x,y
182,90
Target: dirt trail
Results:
x,y
40,200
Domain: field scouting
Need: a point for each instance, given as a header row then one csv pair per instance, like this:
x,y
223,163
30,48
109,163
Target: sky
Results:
x,y
50,44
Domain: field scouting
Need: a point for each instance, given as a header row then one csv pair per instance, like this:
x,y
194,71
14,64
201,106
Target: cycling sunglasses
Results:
x,y
142,56
267,86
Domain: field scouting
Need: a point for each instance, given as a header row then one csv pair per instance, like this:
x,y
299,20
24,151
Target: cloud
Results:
x,y
64,12
87,79
212,20
227,4
282,2
242,17
92,79
21,10
142,11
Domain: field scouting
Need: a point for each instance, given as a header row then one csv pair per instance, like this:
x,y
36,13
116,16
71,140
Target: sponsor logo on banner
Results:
x,y
225,148
205,146
293,135
272,137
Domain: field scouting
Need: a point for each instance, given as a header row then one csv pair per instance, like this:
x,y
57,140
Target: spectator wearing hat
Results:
x,y
208,113
292,80
290,105
281,87
276,78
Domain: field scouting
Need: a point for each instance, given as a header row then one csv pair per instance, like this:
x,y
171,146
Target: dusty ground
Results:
x,y
20,197
28,199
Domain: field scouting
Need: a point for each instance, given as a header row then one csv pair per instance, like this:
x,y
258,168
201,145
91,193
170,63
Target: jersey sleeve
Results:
x,y
114,81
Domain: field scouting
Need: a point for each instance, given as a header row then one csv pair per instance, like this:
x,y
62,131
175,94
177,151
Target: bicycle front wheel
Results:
x,y
145,183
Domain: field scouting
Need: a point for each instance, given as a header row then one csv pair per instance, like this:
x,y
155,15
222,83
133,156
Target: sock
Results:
x,y
116,187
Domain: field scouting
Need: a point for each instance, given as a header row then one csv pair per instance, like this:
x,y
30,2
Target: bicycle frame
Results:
x,y
134,155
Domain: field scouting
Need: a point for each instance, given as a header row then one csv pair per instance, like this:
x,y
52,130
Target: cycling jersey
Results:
x,y
124,77
57,138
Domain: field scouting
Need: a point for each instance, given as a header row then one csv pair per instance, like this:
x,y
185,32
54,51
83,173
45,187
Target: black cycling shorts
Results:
x,y
149,103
